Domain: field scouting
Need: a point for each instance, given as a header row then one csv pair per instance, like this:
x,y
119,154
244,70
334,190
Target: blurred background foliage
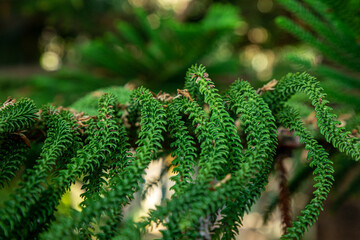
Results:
x,y
57,51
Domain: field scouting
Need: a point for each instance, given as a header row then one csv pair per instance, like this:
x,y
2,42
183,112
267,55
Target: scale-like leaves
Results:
x,y
216,180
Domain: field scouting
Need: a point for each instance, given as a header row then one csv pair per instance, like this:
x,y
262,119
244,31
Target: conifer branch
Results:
x,y
16,116
217,179
127,183
59,138
12,155
261,136
185,153
323,174
326,121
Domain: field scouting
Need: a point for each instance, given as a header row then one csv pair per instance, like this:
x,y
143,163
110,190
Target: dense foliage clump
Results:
x,y
220,167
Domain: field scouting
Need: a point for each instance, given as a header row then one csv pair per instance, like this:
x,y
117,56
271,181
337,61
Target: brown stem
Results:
x,y
284,195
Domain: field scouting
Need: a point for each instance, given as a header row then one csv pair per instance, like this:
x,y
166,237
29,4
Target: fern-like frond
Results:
x,y
261,140
201,201
329,33
216,180
125,184
319,159
12,155
198,80
60,136
89,103
16,116
212,155
326,120
185,153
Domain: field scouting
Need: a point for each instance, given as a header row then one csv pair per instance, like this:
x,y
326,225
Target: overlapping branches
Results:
x,y
216,179
326,120
60,136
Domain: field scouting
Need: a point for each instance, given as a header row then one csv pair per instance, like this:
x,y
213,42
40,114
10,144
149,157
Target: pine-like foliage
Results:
x,y
332,28
15,118
146,50
220,168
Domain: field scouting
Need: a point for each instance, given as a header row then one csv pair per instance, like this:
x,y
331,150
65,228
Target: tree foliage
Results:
x,y
219,170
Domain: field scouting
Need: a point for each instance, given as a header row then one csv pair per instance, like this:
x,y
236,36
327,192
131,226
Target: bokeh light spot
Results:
x,y
258,35
50,61
241,29
154,20
265,6
259,62
178,6
137,3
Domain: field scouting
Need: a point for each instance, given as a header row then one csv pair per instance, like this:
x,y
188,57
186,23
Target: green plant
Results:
x,y
332,28
154,48
220,172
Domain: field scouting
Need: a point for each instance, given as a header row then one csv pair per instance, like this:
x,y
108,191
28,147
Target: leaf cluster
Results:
x,y
220,167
